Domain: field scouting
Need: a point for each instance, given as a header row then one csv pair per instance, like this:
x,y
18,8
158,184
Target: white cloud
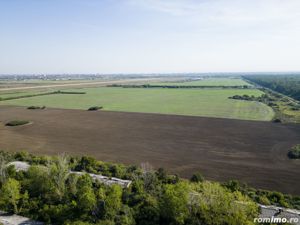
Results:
x,y
227,11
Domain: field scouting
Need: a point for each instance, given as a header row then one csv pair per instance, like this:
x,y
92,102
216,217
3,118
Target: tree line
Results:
x,y
285,84
178,86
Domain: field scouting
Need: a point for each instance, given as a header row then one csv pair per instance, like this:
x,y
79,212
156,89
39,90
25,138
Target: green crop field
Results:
x,y
208,82
194,102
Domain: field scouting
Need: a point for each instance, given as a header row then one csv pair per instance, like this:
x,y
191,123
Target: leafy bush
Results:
x,y
95,108
36,107
244,97
197,177
294,153
16,123
276,120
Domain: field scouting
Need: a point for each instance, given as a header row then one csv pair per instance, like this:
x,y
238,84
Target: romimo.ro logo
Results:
x,y
273,219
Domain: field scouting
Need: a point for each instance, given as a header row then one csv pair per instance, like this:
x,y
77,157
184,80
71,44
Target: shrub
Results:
x,y
264,200
95,108
294,153
197,177
16,123
276,121
36,107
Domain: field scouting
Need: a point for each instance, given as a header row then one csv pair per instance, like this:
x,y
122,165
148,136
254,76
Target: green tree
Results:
x,y
85,194
197,177
2,170
71,184
125,217
174,203
113,201
59,172
87,164
38,182
212,204
10,195
147,213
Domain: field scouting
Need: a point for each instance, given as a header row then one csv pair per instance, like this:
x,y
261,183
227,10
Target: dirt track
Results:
x,y
222,149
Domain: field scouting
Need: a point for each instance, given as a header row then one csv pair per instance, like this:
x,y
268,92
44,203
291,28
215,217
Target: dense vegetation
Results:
x,y
14,123
294,153
285,84
265,98
47,192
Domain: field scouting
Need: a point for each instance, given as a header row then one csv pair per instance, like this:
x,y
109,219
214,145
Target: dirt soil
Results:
x,y
221,149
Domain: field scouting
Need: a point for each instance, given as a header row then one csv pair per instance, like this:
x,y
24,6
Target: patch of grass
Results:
x,y
294,153
192,102
14,123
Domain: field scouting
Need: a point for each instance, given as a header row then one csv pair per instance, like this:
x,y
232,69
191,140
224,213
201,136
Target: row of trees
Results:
x,y
48,192
177,86
40,94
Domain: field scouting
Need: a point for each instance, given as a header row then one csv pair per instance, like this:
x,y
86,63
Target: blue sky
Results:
x,y
149,36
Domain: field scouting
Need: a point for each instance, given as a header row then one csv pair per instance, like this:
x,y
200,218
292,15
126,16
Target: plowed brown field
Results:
x,y
222,149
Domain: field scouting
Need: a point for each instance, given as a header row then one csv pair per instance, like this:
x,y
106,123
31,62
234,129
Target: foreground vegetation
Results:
x,y
193,102
47,192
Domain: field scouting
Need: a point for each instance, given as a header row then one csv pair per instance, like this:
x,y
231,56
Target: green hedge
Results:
x,y
14,123
36,107
95,108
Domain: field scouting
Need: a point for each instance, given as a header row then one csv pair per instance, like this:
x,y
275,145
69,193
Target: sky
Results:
x,y
149,36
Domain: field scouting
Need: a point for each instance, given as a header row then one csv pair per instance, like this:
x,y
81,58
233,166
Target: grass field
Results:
x,y
209,82
194,102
